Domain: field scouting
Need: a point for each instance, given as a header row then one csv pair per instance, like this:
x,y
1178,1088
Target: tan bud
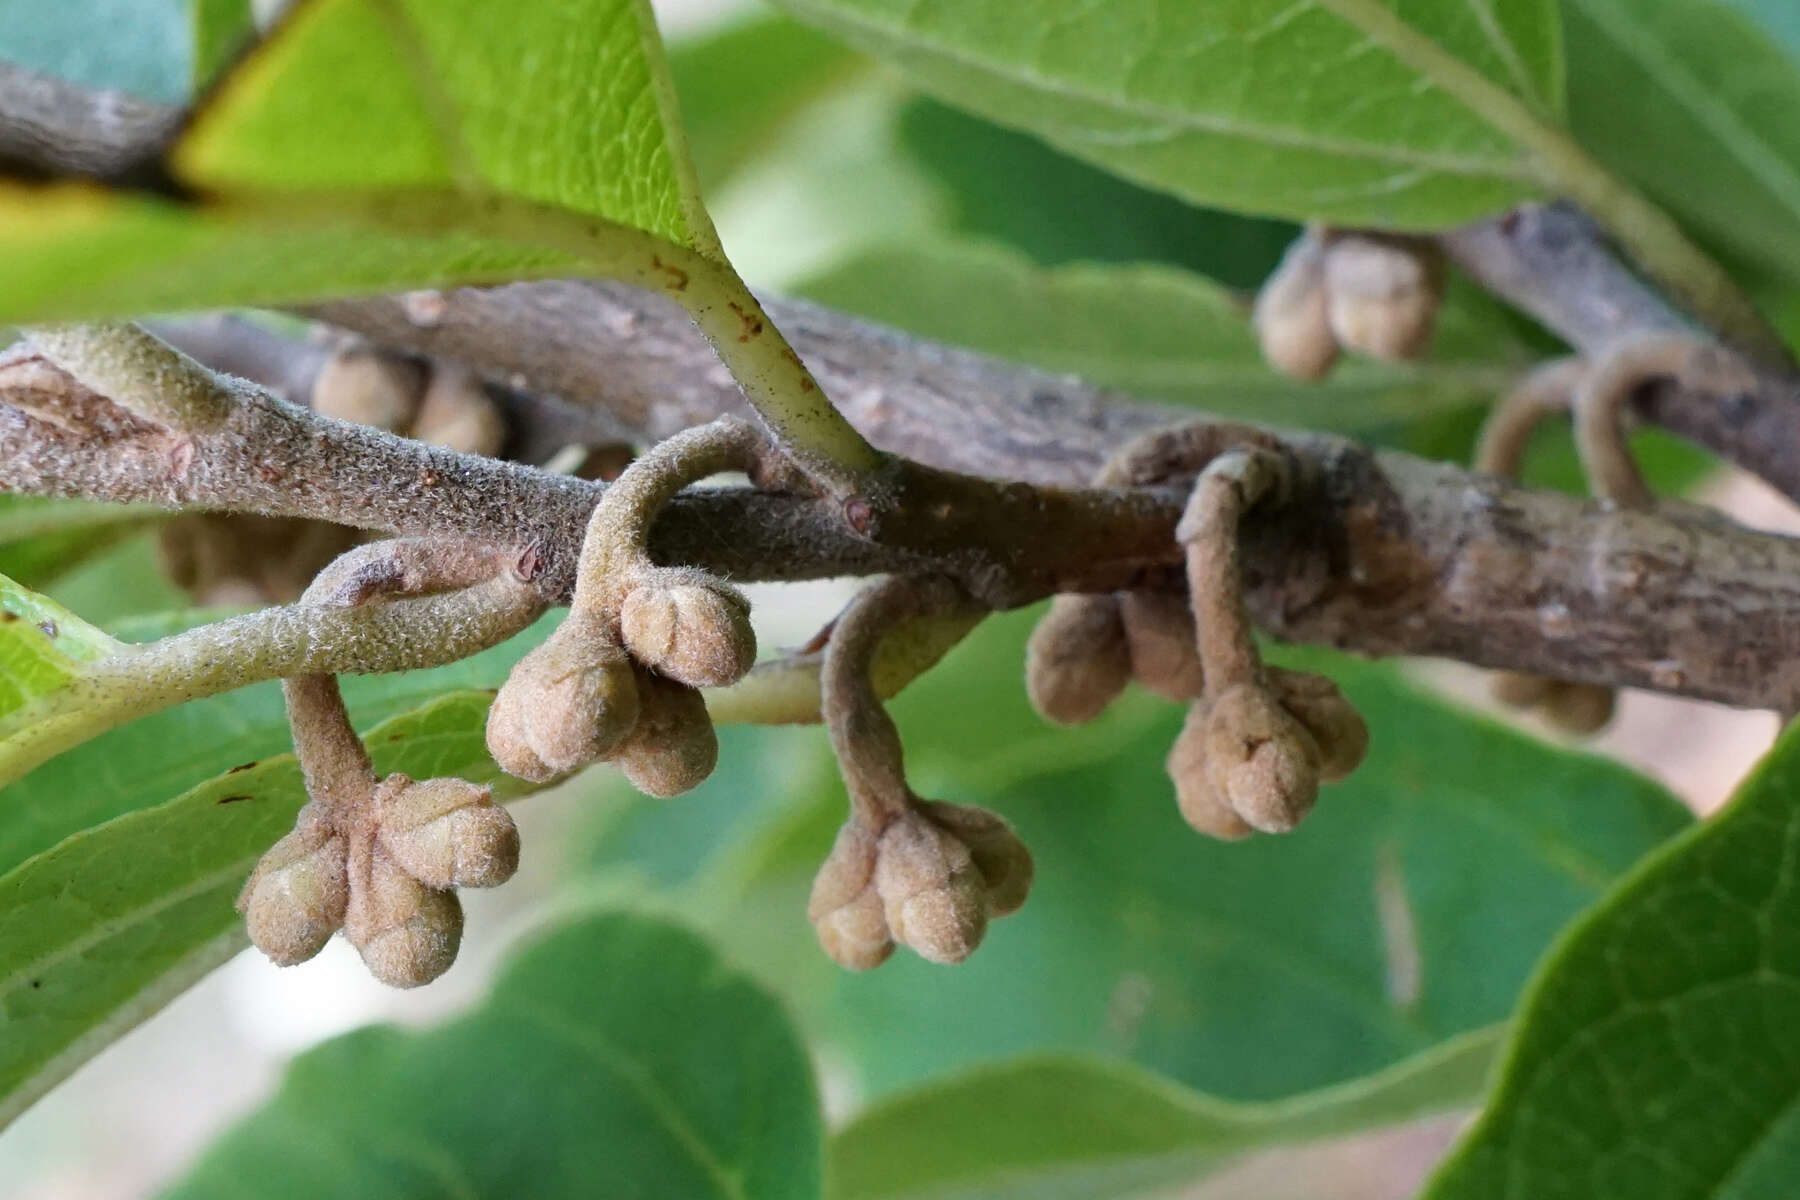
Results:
x,y
1290,313
1077,659
1579,708
673,748
690,627
845,909
566,704
1520,690
295,899
930,890
446,832
408,934
458,414
1383,294
998,854
1317,703
370,387
1260,759
1159,631
1200,803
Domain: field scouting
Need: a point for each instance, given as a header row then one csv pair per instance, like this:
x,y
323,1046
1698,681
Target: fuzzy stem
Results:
x,y
1544,392
339,775
1230,486
140,373
863,735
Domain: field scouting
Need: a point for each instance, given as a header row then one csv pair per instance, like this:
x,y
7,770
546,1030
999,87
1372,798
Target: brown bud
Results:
x,y
458,414
1261,761
446,832
1339,730
673,748
408,934
1290,313
1200,802
370,387
1579,708
1077,659
1520,690
1001,858
684,624
1159,630
566,704
931,891
1383,294
295,899
845,909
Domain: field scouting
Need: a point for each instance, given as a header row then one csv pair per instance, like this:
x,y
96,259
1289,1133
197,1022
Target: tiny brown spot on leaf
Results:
x,y
234,799
241,767
47,628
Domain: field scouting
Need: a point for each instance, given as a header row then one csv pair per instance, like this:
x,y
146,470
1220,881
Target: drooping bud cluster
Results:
x,y
619,680
930,880
1369,293
381,865
1258,741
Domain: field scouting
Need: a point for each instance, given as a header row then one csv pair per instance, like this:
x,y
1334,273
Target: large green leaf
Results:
x,y
1707,128
1408,909
1160,332
1257,105
373,145
1075,1127
1656,1056
43,538
617,1056
113,922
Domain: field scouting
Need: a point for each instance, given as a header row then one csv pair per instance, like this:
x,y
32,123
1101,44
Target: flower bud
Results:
x,y
1077,659
408,934
998,854
447,833
566,704
1579,708
690,627
673,748
930,890
1259,759
1517,689
1383,294
1340,731
1159,632
845,909
370,387
1290,313
295,899
1200,803
458,414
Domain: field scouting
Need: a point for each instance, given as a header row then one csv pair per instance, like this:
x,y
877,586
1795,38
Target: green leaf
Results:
x,y
137,46
1010,187
617,1056
739,86
221,29
42,647
1655,1055
1706,131
562,104
1304,111
1408,909
1069,1126
110,924
1162,333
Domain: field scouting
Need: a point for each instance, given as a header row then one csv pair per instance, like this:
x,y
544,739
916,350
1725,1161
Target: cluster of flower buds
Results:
x,y
930,879
1258,740
1369,293
620,679
383,866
